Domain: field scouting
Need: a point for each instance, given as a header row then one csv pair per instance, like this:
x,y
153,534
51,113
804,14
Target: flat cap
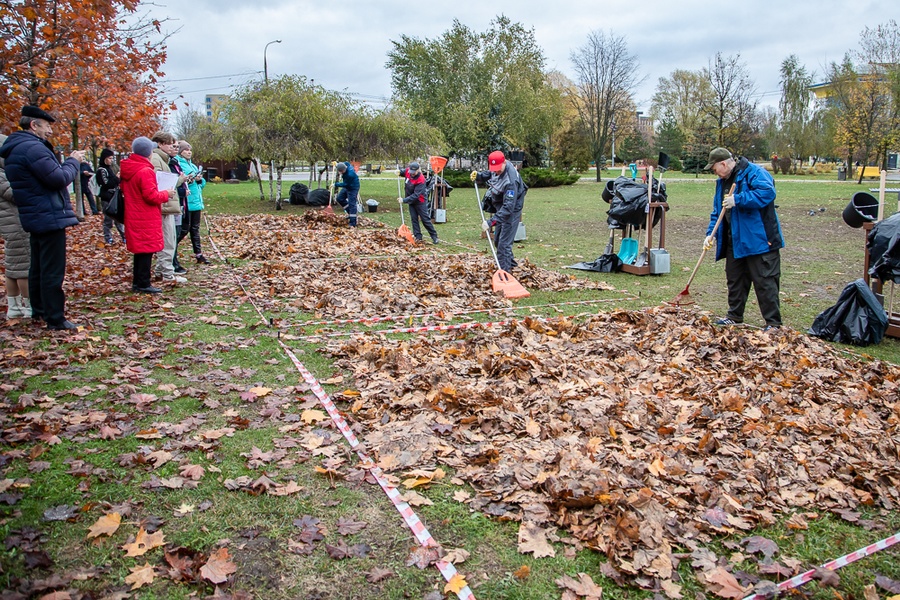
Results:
x,y
36,112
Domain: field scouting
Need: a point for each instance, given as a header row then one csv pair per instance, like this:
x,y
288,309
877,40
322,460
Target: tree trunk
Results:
x,y
258,164
278,189
271,180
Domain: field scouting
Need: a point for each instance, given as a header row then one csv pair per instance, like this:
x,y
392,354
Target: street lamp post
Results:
x,y
265,66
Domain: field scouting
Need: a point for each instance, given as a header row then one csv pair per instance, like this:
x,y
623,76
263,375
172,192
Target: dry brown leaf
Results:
x,y
312,415
144,542
722,583
218,567
140,576
533,539
105,525
522,572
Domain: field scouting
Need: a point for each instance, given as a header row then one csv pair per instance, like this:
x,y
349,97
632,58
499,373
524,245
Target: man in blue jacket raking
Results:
x,y
749,237
40,189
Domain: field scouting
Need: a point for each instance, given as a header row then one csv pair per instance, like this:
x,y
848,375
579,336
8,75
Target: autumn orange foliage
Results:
x,y
94,64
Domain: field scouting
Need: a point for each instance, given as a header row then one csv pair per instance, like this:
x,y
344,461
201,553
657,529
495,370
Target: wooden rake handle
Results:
x,y
715,229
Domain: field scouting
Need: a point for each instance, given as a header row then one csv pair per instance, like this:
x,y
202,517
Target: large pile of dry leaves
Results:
x,y
639,433
311,263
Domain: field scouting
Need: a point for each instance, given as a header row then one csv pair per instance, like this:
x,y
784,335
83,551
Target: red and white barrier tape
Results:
x,y
412,520
833,565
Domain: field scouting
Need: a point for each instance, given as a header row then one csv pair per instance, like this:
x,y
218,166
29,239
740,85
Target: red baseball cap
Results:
x,y
496,160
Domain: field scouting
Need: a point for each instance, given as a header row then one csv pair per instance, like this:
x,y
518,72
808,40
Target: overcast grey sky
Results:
x,y
343,45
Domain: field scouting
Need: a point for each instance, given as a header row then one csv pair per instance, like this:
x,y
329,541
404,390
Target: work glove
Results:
x,y
484,226
728,202
473,175
708,242
400,200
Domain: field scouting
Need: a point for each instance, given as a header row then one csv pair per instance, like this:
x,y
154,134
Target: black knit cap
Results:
x,y
36,112
104,154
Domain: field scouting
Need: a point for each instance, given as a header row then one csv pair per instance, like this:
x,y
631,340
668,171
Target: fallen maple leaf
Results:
x,y
522,572
218,567
378,574
260,391
144,542
722,583
456,584
349,526
312,415
532,538
194,472
424,556
584,586
140,576
457,556
105,525
184,510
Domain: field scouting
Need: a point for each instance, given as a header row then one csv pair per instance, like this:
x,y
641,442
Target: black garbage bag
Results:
x,y
629,203
857,318
606,263
318,197
883,243
299,194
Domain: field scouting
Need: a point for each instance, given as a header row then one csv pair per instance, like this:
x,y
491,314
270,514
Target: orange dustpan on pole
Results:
x,y
437,163
501,280
403,231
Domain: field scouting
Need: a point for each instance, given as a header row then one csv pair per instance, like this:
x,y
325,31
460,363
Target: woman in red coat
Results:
x,y
143,214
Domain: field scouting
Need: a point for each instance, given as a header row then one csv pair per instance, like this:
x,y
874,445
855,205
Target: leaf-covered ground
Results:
x,y
646,436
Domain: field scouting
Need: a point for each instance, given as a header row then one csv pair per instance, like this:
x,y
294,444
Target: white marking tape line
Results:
x,y
409,516
833,565
450,314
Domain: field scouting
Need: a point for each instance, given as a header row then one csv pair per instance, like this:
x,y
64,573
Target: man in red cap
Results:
x,y
506,191
40,189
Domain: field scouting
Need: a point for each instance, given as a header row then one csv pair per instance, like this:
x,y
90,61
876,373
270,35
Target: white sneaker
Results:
x,y
175,279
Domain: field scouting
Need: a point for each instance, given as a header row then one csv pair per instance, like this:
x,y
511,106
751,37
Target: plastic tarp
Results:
x,y
606,263
883,243
857,318
629,203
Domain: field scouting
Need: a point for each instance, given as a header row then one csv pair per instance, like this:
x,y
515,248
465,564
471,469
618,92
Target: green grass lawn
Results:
x,y
116,419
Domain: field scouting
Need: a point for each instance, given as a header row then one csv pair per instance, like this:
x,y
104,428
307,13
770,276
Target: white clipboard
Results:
x,y
166,181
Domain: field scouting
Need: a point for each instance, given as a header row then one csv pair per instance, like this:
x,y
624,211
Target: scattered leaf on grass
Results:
x,y
378,574
105,525
532,538
423,557
218,567
722,583
522,572
455,585
144,542
349,526
140,576
583,587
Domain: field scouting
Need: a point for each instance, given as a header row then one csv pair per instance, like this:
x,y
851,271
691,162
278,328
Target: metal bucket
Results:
x,y
863,208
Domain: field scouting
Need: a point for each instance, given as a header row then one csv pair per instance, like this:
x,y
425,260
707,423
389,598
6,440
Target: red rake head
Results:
x,y
506,284
682,299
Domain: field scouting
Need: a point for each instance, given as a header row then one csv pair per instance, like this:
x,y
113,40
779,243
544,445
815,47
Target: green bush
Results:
x,y
675,164
535,177
532,176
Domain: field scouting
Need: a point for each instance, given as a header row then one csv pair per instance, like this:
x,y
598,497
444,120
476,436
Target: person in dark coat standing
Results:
x,y
349,193
17,249
40,188
86,173
143,212
507,194
749,237
107,177
415,198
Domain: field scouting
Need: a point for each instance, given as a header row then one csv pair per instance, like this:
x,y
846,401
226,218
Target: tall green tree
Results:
x,y
796,109
607,77
482,91
680,99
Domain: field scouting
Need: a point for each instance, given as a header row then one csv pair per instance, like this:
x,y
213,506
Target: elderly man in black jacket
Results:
x,y
40,189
